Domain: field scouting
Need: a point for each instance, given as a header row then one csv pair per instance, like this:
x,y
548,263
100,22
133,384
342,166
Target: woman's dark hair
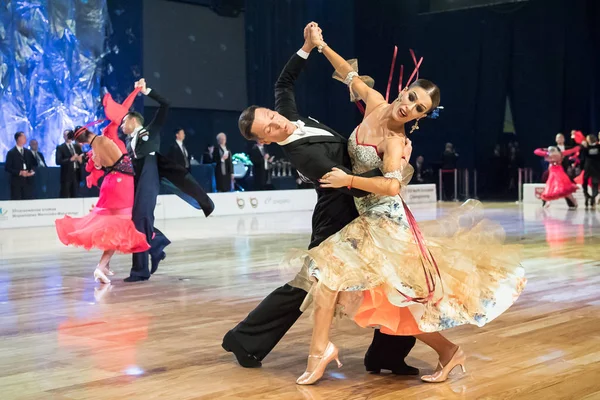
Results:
x,y
432,90
80,134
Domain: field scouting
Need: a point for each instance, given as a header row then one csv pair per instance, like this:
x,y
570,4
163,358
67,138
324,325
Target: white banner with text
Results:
x,y
27,213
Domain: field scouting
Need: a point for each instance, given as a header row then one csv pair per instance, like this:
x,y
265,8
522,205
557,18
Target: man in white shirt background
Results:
x,y
41,179
19,164
261,159
39,157
70,157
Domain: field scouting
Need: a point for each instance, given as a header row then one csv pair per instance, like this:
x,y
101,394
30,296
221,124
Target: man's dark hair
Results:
x,y
593,138
18,135
136,115
176,130
246,121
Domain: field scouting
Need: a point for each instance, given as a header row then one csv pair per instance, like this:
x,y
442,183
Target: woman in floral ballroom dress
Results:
x,y
383,269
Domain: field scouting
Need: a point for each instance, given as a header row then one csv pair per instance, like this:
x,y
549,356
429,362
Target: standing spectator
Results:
x,y
224,168
515,161
449,161
20,164
41,176
39,157
260,162
591,167
178,152
422,173
69,156
207,156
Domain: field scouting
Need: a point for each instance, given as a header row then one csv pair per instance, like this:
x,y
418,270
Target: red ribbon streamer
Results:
x,y
387,93
360,106
427,260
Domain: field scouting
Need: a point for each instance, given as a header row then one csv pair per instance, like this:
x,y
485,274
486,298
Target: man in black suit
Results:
x,y
562,146
152,169
422,173
39,157
42,172
314,149
260,165
19,164
207,156
142,145
69,156
590,153
178,152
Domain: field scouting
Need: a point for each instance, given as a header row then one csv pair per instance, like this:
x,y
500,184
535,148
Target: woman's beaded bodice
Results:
x,y
365,158
123,166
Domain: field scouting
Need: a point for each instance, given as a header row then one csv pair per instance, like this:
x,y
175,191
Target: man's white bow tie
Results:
x,y
300,124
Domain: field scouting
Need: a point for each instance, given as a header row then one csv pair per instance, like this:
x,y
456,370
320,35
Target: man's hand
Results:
x,y
316,36
141,84
74,157
336,178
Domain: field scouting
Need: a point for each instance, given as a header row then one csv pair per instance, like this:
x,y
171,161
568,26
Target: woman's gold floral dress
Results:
x,y
406,278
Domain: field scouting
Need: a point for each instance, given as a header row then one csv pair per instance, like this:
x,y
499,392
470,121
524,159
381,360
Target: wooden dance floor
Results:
x,y
65,337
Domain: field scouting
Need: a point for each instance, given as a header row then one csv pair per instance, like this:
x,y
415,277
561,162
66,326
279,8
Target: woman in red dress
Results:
x,y
108,226
558,185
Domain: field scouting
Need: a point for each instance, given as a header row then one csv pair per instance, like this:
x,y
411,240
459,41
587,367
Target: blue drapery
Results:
x,y
50,53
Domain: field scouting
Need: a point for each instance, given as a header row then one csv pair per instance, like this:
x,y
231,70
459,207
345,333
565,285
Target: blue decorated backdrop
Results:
x,y
50,68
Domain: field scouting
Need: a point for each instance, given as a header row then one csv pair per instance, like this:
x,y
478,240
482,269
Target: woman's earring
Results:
x,y
415,127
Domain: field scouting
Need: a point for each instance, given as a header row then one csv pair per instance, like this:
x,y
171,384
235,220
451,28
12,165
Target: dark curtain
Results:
x,y
274,32
538,74
593,16
542,54
456,58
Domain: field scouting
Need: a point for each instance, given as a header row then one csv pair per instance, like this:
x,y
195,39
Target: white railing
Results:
x,y
525,176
